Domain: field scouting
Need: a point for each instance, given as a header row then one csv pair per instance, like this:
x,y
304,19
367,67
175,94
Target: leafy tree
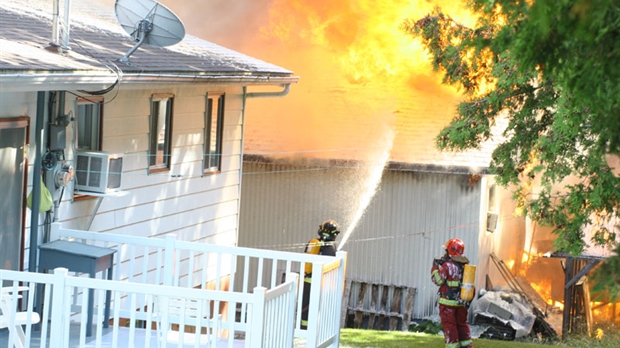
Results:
x,y
551,68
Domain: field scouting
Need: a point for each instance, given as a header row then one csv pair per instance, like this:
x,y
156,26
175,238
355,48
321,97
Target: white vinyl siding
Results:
x,y
181,201
402,230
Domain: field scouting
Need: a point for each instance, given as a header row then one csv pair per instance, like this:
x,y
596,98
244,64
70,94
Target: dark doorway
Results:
x,y
13,171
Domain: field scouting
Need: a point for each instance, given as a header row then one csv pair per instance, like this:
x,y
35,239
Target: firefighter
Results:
x,y
325,244
447,273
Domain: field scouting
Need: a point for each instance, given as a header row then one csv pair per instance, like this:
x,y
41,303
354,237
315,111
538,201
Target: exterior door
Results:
x,y
13,171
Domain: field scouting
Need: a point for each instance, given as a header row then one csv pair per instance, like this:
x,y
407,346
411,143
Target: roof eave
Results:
x,y
28,81
437,168
391,166
44,81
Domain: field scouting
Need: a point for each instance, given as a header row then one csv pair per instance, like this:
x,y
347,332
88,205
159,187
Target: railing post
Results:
x,y
314,304
169,259
57,319
292,306
12,314
257,326
342,272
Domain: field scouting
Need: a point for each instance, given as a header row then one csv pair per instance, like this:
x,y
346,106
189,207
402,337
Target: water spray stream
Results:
x,y
374,179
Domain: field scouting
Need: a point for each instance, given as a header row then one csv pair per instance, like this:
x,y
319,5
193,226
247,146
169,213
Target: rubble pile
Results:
x,y
507,315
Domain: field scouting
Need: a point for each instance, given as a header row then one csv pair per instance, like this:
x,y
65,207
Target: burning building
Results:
x,y
354,141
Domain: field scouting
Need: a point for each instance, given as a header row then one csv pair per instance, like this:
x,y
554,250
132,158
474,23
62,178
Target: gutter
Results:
x,y
99,80
178,78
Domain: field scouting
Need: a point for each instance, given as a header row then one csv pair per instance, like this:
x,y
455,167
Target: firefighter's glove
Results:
x,y
464,303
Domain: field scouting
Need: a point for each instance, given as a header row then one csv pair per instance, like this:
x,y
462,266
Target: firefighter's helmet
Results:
x,y
329,229
455,247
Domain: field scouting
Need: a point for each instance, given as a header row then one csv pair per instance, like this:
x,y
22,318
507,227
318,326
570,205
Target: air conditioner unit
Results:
x,y
98,171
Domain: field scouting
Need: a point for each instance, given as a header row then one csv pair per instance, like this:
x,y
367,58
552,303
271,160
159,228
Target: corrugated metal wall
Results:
x,y
409,218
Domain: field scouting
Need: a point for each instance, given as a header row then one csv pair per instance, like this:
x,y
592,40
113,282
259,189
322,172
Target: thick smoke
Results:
x,y
355,66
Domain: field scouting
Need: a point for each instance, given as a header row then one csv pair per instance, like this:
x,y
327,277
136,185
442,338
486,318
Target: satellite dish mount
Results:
x,y
144,28
150,22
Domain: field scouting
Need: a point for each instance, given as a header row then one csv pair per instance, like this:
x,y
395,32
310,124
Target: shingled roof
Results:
x,y
97,41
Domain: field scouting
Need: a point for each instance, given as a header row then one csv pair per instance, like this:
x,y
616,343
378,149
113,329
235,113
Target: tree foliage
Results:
x,y
551,68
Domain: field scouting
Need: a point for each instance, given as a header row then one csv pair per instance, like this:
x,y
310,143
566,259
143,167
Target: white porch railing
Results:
x,y
269,309
167,261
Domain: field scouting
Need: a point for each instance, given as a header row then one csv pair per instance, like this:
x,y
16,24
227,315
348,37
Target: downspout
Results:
x,y
36,185
280,94
247,96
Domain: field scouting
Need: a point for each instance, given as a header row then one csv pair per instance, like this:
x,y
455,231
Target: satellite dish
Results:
x,y
150,22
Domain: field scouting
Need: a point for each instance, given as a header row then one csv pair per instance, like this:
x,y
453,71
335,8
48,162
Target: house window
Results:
x,y
160,132
89,124
214,120
492,210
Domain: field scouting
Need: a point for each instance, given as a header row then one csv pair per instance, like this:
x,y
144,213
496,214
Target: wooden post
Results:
x,y
584,291
395,308
357,321
408,308
568,296
345,303
384,305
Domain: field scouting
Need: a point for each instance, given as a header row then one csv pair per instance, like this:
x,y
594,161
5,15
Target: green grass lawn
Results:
x,y
353,338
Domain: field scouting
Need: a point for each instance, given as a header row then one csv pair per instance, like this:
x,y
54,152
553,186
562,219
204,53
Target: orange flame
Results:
x,y
360,75
525,257
510,264
364,36
543,289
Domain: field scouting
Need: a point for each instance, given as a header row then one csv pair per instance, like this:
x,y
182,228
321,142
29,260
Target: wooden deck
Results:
x,y
139,340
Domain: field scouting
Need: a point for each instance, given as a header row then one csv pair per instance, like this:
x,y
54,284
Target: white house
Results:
x,y
169,121
134,145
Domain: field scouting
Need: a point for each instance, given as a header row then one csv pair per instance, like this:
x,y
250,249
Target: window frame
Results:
x,y
98,125
492,208
79,196
213,147
154,140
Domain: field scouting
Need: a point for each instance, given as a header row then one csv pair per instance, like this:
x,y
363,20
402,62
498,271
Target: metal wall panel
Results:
x,y
410,217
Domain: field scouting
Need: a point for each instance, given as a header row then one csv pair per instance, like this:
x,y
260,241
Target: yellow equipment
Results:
x,y
467,286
